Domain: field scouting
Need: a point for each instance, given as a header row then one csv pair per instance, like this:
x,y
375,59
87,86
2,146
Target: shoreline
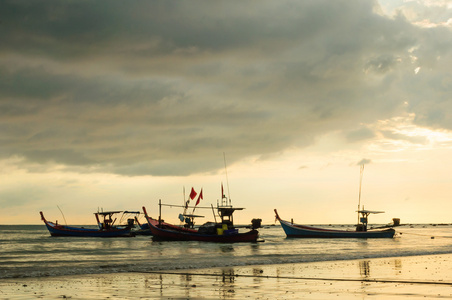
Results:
x,y
426,276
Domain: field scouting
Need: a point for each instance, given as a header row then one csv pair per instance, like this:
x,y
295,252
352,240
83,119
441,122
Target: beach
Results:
x,y
425,276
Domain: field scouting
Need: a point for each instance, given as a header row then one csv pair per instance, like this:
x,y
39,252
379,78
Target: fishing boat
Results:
x,y
142,228
303,231
105,221
213,232
216,232
188,226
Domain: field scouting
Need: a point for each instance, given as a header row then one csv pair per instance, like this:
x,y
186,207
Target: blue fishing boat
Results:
x,y
107,227
303,231
361,231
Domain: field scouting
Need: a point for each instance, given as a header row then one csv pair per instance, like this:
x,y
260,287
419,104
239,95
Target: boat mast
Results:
x,y
160,212
62,215
227,179
185,209
361,171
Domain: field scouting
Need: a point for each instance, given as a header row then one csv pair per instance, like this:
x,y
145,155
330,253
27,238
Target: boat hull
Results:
x,y
63,230
301,231
164,225
160,234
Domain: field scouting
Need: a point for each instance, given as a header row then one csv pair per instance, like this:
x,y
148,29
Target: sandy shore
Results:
x,y
423,277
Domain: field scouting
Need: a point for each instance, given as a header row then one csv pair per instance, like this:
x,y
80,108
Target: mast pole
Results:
x,y
62,215
213,211
183,205
160,212
227,179
361,171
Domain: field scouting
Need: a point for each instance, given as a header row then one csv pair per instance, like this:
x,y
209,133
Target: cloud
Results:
x,y
421,140
360,134
164,88
17,197
364,161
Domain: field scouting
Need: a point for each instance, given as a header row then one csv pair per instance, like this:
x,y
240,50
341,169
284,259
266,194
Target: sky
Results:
x,y
114,105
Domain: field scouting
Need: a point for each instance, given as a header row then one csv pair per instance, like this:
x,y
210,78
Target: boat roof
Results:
x,y
104,213
192,216
365,211
132,212
229,208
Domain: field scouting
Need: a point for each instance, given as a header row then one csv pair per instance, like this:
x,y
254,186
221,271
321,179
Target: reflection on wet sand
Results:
x,y
392,266
364,268
421,276
227,286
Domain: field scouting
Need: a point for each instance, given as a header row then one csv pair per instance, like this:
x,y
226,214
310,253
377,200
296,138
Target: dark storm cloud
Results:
x,y
165,87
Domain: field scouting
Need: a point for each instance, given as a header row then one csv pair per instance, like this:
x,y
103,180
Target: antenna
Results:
x,y
62,214
227,180
361,171
185,208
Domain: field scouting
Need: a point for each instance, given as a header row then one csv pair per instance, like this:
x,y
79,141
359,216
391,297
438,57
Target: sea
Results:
x,y
29,251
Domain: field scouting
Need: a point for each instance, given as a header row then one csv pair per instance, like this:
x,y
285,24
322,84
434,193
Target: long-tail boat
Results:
x,y
221,232
107,227
210,232
302,231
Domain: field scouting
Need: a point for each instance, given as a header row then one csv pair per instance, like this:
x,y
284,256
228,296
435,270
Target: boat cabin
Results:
x,y
363,220
105,220
189,220
227,215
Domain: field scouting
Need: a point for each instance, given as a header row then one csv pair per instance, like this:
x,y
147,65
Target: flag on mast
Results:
x,y
193,194
199,198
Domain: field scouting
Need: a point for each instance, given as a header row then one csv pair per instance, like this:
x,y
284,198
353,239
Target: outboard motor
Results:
x,y
130,223
256,223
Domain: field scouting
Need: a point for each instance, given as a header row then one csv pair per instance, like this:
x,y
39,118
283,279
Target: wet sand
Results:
x,y
415,277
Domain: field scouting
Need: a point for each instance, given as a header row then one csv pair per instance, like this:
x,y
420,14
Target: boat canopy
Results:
x,y
192,216
227,210
364,211
105,213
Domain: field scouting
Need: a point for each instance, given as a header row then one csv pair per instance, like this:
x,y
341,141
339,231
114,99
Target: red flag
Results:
x,y
193,194
199,198
222,192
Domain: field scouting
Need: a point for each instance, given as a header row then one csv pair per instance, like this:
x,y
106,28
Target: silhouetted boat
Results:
x,y
104,221
210,232
221,232
302,231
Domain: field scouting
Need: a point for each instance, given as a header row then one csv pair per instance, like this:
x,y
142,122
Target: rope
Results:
x,y
432,236
179,206
299,278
